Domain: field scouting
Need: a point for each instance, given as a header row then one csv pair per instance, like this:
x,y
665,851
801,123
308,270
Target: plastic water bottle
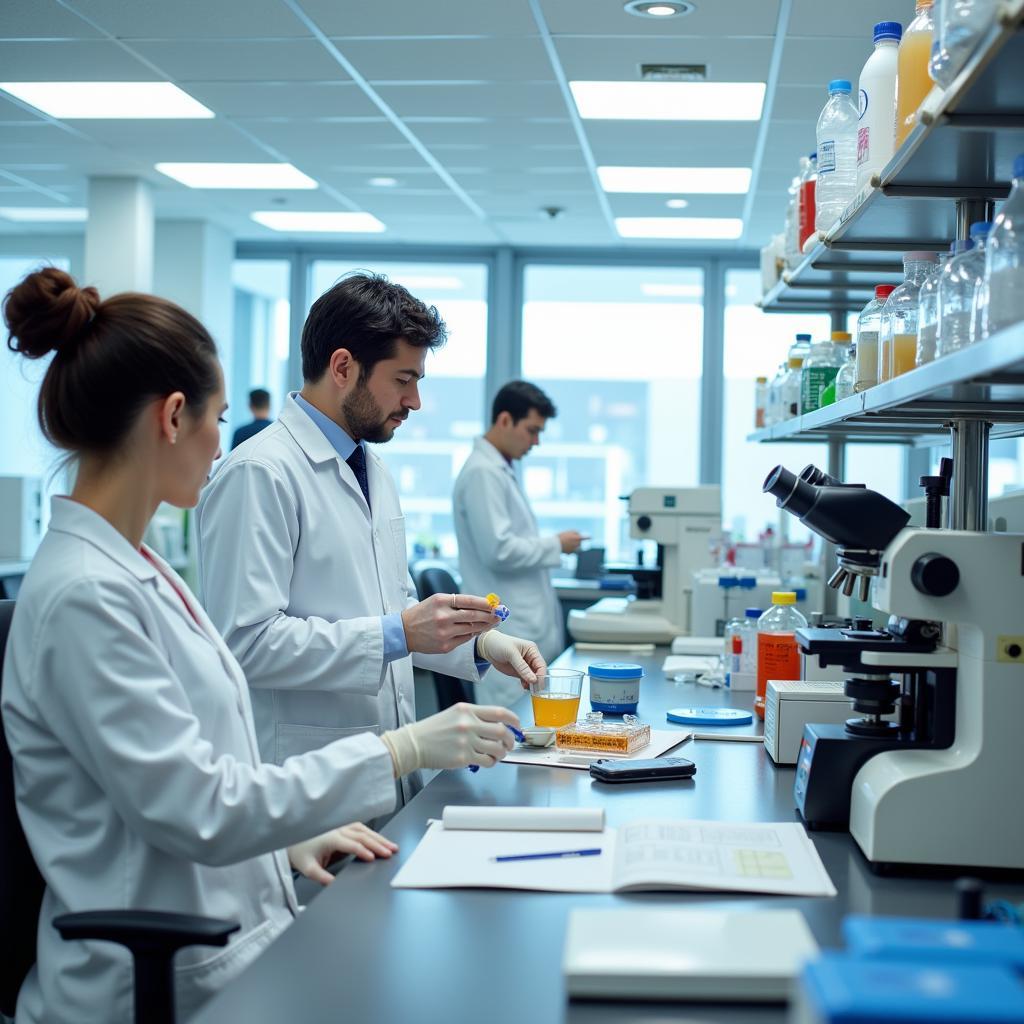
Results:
x,y
847,375
957,285
1001,295
778,656
928,313
869,323
959,27
748,653
876,94
837,155
820,369
897,339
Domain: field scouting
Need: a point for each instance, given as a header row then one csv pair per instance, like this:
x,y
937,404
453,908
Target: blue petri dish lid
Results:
x,y
614,670
710,716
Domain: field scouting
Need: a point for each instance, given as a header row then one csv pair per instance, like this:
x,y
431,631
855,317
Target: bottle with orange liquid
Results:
x,y
778,656
913,82
897,343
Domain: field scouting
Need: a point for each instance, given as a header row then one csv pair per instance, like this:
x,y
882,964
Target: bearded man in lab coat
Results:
x,y
500,547
302,555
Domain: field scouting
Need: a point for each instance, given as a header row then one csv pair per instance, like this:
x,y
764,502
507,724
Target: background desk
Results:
x,y
363,952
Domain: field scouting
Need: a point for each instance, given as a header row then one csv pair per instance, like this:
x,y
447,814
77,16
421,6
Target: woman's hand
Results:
x,y
312,857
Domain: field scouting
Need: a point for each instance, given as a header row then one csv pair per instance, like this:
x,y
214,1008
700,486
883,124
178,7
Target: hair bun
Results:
x,y
48,311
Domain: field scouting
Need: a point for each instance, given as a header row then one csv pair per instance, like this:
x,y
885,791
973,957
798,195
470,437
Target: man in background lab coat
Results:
x,y
302,556
500,547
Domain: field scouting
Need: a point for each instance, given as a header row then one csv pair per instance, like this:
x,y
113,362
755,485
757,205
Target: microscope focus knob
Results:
x,y
935,575
643,522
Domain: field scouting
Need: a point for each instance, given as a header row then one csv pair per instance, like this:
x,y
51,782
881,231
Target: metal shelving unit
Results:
x,y
962,149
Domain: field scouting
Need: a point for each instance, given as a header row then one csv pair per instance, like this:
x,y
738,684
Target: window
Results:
x,y
428,450
262,311
23,449
619,350
755,344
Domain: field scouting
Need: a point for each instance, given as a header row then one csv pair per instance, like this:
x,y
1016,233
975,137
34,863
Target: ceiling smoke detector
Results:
x,y
660,8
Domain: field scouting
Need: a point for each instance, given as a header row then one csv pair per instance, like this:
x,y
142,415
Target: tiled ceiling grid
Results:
x,y
459,101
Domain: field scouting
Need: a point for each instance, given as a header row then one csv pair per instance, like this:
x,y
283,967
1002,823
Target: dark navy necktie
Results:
x,y
357,463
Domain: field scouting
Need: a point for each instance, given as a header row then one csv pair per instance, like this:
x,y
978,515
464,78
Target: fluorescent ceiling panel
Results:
x,y
264,176
329,222
72,101
669,101
45,214
707,180
679,227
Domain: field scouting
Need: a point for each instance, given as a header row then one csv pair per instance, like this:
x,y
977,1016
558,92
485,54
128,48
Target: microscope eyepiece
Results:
x,y
790,492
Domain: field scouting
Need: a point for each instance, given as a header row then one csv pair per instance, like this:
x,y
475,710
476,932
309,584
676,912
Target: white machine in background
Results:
x,y
682,521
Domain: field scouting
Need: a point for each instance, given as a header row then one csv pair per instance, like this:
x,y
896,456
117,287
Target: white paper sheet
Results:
x,y
662,740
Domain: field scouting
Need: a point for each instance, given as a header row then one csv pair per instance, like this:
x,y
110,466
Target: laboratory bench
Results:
x,y
363,951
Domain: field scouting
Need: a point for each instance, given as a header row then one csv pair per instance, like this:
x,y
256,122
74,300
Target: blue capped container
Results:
x,y
615,687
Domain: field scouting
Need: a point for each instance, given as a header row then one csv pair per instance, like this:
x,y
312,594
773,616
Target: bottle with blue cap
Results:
x,y
615,687
876,98
837,155
1001,296
958,286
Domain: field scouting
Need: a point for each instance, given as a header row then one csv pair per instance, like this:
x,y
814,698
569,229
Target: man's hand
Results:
x,y
312,857
512,656
571,540
442,622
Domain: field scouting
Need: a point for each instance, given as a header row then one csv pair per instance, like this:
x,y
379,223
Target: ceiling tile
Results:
x,y
151,141
814,18
287,60
476,99
300,100
30,19
607,17
68,61
512,131
816,61
451,18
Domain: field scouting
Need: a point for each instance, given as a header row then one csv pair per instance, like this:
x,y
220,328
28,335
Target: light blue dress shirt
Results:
x,y
395,646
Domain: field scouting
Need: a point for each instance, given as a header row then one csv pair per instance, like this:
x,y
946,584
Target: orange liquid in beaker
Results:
x,y
554,709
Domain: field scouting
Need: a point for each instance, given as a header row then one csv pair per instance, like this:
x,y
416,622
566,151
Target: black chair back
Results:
x,y
435,578
21,885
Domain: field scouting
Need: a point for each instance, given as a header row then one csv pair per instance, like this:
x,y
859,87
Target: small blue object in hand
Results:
x,y
515,732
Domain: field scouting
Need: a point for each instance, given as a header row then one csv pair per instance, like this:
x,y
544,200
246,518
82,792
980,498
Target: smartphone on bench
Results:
x,y
655,769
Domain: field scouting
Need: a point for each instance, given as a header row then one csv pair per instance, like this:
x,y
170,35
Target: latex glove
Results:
x,y
512,656
443,622
461,735
312,857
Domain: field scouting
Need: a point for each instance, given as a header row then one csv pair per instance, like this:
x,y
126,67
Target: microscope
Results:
x,y
936,788
682,521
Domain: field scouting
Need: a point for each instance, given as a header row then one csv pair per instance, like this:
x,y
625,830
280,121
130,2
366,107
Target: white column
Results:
x,y
119,236
193,268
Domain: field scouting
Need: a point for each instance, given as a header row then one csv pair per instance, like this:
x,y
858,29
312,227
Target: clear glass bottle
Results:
x,y
868,323
790,402
773,410
820,369
897,337
957,285
778,656
801,347
837,155
748,654
928,313
760,401
912,80
847,375
792,227
1001,296
959,27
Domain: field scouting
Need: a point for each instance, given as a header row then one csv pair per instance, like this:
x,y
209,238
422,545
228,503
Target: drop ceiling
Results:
x,y
480,137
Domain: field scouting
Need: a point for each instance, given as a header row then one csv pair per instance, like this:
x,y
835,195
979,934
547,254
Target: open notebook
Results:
x,y
714,856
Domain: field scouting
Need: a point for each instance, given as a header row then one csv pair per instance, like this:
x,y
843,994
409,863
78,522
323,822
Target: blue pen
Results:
x,y
515,732
593,852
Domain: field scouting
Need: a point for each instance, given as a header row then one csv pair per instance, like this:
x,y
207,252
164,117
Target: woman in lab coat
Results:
x,y
136,768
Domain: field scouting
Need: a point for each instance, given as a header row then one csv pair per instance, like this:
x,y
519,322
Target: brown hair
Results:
x,y
111,357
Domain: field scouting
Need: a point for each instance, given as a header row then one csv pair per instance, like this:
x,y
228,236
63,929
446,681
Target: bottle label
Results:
x,y
863,145
826,157
813,381
778,657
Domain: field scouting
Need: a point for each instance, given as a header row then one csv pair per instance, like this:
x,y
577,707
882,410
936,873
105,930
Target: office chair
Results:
x,y
153,937
432,578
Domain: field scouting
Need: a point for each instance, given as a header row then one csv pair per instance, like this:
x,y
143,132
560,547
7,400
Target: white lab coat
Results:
x,y
137,774
296,573
501,550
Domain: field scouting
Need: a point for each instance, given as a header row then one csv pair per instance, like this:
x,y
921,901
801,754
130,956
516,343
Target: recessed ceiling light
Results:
x,y
669,101
383,182
267,176
679,227
108,100
45,214
660,8
334,222
723,180
677,204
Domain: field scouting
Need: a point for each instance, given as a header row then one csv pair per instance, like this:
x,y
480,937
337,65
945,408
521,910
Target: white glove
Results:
x,y
458,736
512,656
